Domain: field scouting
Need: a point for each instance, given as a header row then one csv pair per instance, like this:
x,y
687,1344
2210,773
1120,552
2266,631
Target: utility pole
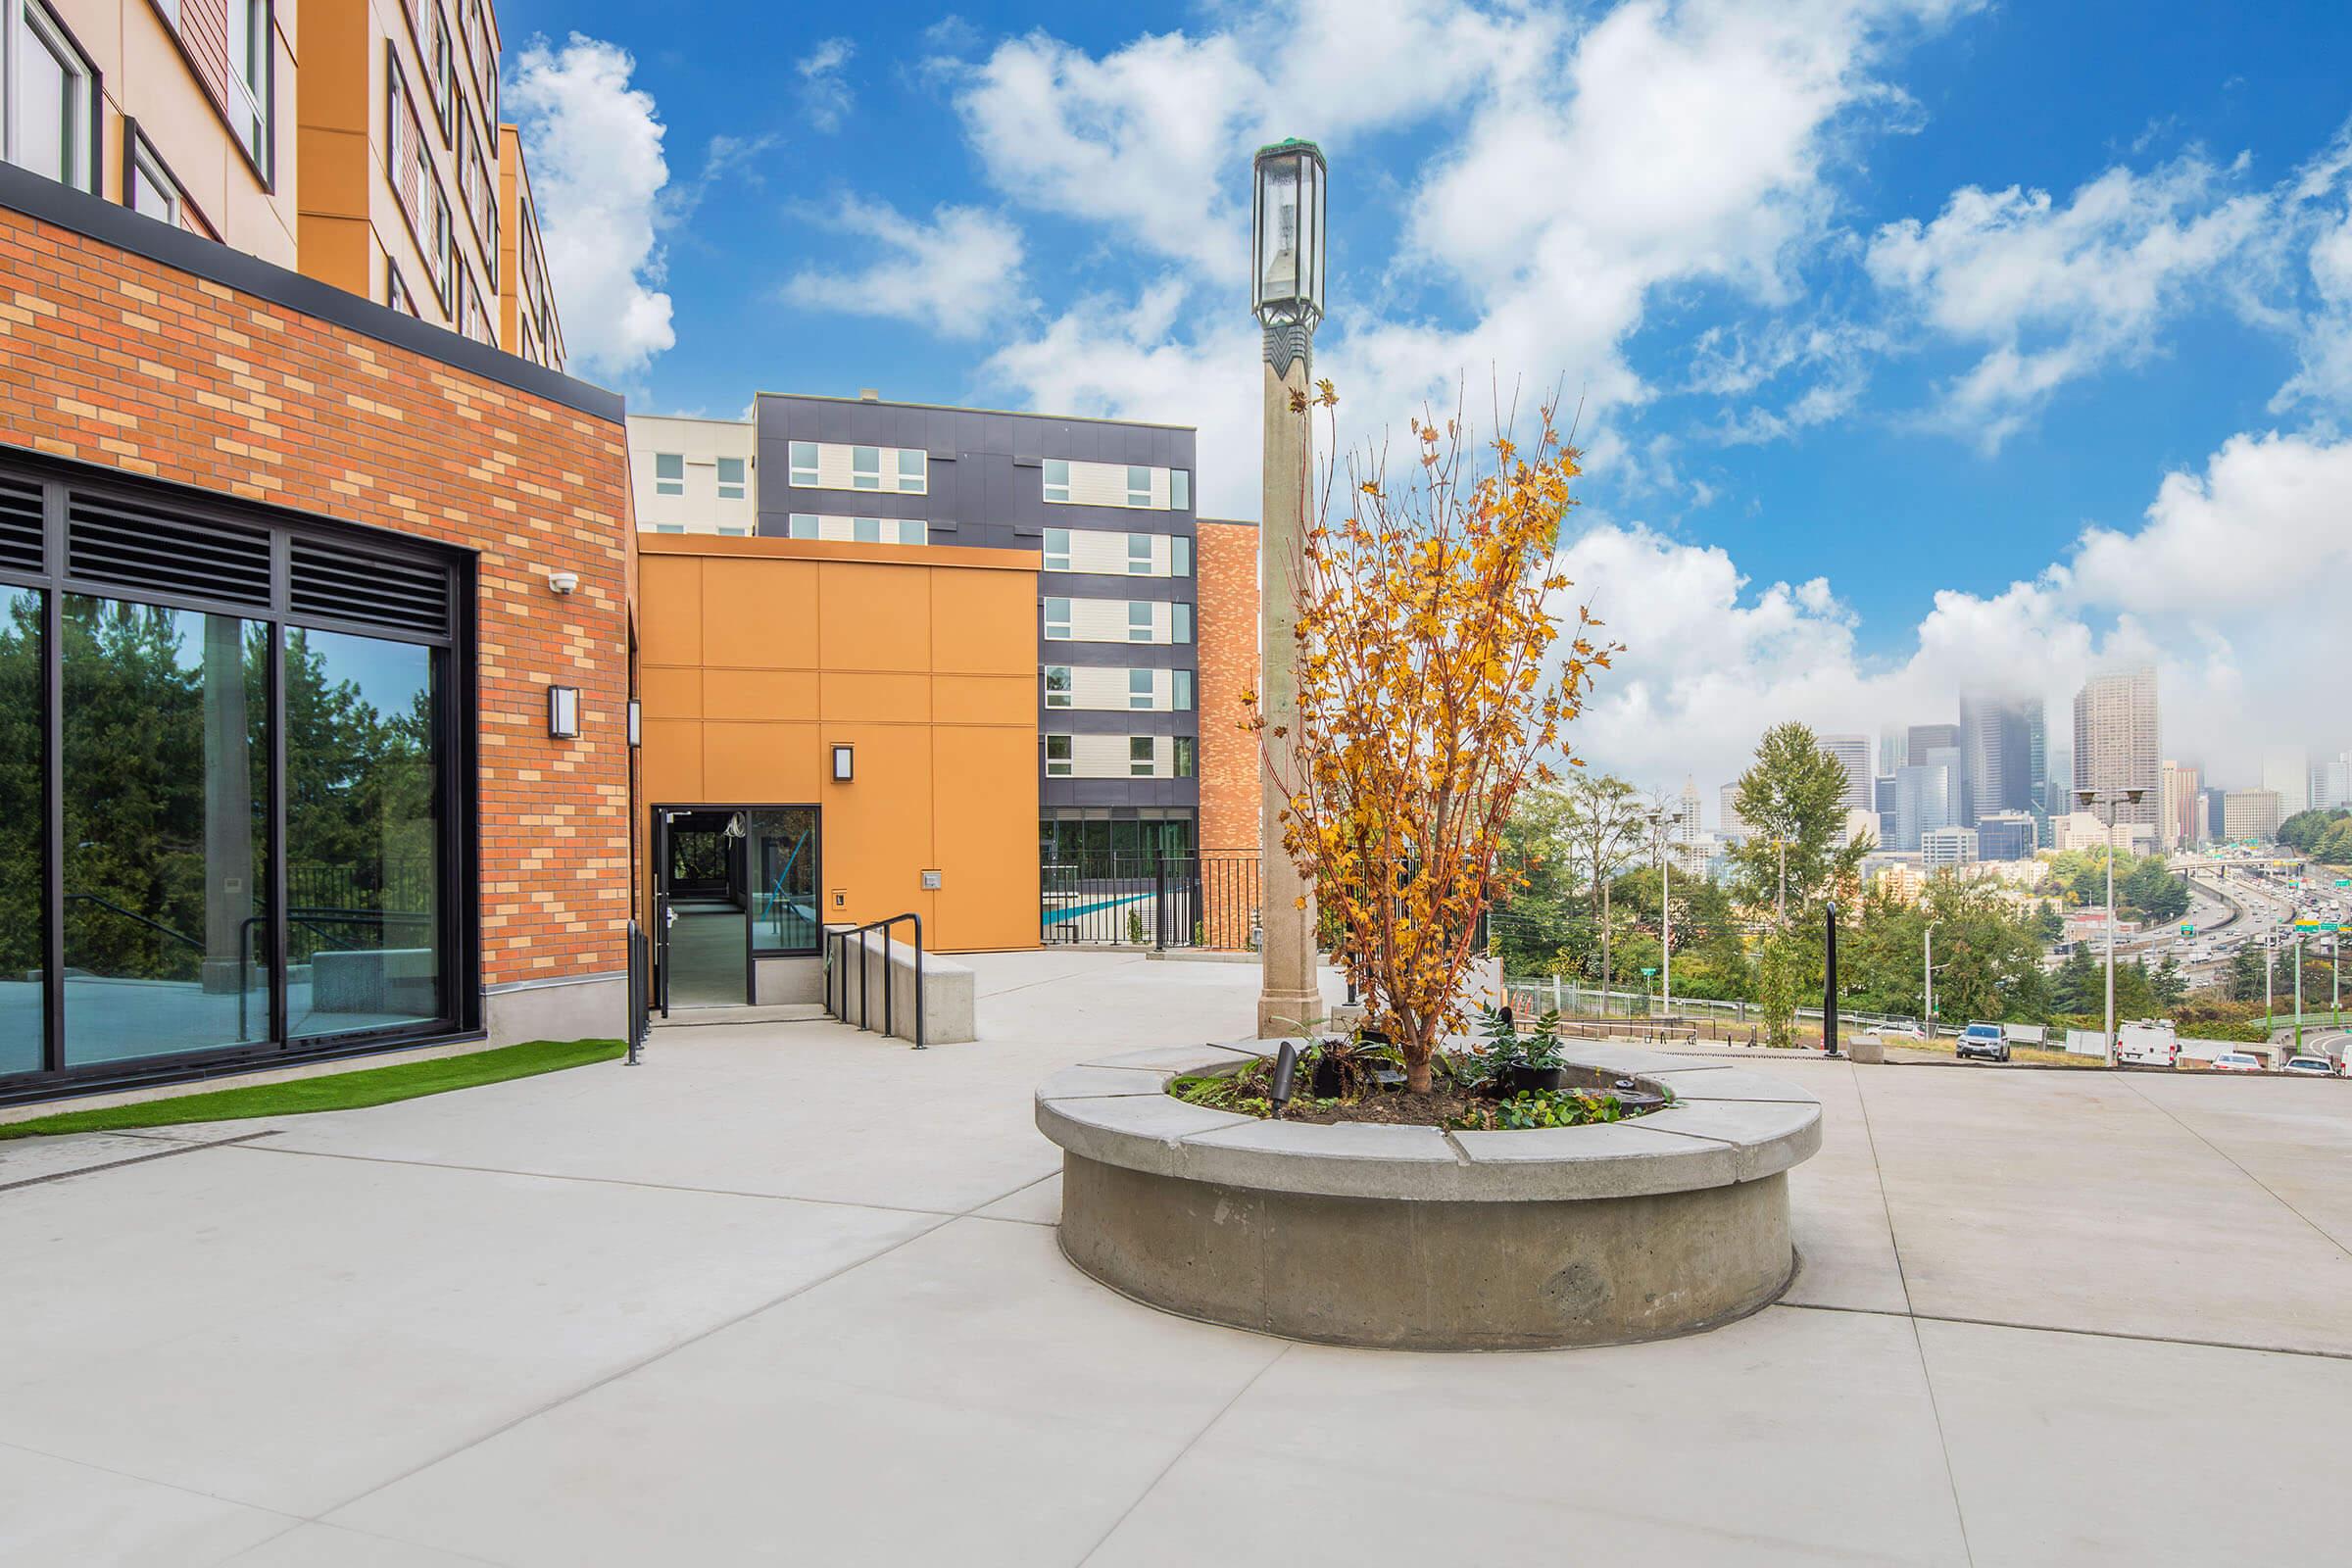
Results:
x,y
1927,970
1828,983
2113,799
2298,996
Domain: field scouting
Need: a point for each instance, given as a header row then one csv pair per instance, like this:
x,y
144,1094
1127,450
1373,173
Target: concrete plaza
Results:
x,y
790,1293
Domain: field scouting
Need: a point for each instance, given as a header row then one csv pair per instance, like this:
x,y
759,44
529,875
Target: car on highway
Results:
x,y
2237,1061
2310,1066
1984,1040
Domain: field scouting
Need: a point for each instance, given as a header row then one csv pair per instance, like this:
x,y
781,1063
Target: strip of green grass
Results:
x,y
339,1091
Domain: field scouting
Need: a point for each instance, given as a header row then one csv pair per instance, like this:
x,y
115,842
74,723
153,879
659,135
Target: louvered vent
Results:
x,y
20,525
118,542
388,591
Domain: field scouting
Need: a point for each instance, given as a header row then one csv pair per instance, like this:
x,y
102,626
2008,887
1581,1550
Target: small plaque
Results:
x,y
930,881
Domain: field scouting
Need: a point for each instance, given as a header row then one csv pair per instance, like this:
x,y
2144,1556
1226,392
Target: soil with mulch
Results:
x,y
1395,1108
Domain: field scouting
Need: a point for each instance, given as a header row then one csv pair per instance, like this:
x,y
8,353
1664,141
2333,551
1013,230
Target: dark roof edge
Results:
x,y
95,217
1230,522
966,407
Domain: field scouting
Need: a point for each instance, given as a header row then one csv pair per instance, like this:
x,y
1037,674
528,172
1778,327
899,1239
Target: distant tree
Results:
x,y
2171,986
1794,800
2049,923
1602,824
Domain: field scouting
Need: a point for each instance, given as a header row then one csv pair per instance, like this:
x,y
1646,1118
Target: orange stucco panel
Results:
x,y
758,656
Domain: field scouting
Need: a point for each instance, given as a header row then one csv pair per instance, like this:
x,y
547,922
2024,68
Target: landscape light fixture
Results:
x,y
563,712
636,723
1286,277
563,582
844,763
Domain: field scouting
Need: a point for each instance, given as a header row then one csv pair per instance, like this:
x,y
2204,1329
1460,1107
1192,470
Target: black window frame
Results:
x,y
61,481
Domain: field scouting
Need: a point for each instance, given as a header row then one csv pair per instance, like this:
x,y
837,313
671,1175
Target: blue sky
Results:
x,y
1922,343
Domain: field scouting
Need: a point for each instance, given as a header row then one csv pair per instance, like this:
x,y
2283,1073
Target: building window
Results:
x,y
670,528
1139,620
1180,489
1138,555
804,462
1057,479
1057,756
669,474
913,531
730,478
1182,682
914,476
1179,620
442,69
866,530
865,468
232,852
1057,685
803,526
1183,747
396,292
48,102
148,186
734,532
1139,689
1138,487
249,76
1180,556
1057,621
1140,759
1058,550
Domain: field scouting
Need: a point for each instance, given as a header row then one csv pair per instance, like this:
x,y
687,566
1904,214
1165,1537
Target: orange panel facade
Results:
x,y
758,656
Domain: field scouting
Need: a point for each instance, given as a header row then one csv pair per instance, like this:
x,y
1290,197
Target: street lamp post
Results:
x,y
2111,798
1926,966
1285,295
1658,820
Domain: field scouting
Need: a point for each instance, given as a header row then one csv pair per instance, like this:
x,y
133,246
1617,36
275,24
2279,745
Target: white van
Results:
x,y
2149,1043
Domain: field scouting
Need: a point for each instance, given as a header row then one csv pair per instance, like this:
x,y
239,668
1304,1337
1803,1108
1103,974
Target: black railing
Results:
x,y
838,943
1204,899
641,962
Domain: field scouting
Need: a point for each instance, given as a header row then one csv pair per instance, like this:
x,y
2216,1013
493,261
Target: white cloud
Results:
x,y
825,95
2055,291
1663,145
595,147
958,274
2230,571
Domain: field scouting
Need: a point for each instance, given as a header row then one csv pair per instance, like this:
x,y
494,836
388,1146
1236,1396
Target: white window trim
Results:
x,y
669,487
1149,629
733,489
1063,623
1051,486
804,477
1149,567
1067,696
83,89
1146,700
1056,559
859,475
147,168
1059,766
1147,765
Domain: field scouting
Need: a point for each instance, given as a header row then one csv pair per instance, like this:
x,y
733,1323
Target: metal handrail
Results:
x,y
840,939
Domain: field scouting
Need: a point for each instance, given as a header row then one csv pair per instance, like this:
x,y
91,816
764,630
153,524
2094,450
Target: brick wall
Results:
x,y
1231,769
114,359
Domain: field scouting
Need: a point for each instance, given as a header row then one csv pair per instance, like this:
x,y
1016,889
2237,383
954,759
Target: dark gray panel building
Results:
x,y
1108,505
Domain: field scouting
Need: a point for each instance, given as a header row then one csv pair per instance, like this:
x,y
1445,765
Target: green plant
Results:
x,y
1135,928
1537,1108
1506,1047
1200,935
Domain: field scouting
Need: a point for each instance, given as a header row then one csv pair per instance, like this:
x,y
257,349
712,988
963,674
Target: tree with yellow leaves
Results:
x,y
1431,692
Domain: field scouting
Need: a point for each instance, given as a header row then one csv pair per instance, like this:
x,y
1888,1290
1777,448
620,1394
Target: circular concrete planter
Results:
x,y
1414,1237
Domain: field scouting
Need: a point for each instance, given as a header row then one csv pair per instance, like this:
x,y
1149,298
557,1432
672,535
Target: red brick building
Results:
x,y
1232,770
288,581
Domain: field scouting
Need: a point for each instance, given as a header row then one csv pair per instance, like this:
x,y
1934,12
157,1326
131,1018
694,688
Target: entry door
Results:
x,y
704,904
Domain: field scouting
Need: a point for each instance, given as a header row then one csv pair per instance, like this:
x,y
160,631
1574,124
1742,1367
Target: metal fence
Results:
x,y
1206,899
1536,994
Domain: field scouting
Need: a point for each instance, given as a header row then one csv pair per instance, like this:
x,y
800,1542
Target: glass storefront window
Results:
x,y
363,834
785,918
21,956
165,721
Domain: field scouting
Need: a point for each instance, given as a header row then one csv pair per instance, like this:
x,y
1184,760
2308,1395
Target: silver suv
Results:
x,y
1982,1040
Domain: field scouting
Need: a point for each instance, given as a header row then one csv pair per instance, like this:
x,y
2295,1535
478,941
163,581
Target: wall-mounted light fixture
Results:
x,y
844,763
563,712
636,722
563,582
